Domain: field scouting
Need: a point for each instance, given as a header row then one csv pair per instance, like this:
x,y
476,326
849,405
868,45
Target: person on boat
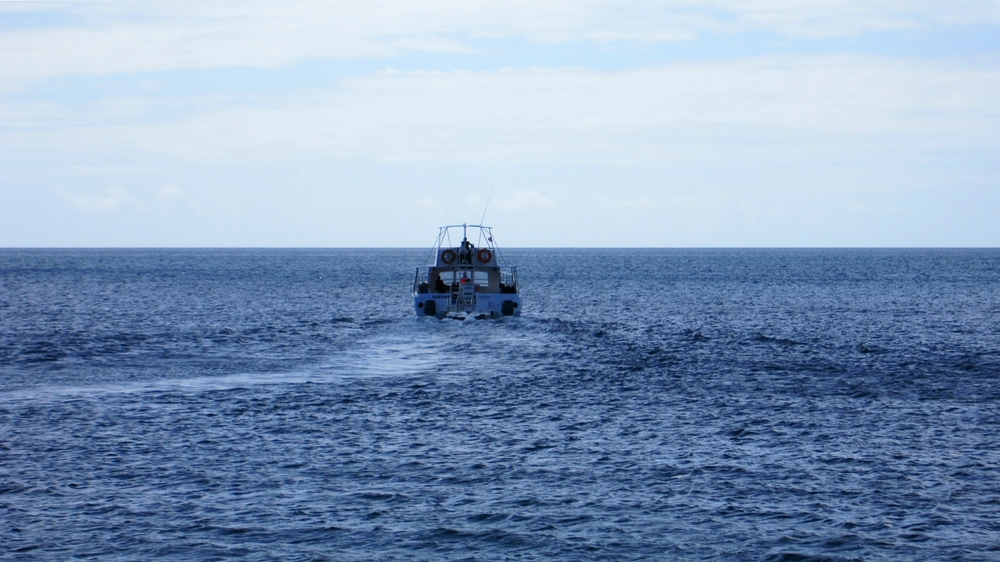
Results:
x,y
465,252
439,286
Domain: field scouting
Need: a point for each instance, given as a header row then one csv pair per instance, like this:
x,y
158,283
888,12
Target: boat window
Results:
x,y
479,277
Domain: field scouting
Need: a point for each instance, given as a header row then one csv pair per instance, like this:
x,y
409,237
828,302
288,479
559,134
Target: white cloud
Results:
x,y
526,201
104,38
766,143
112,200
638,202
828,18
173,198
116,198
805,105
856,206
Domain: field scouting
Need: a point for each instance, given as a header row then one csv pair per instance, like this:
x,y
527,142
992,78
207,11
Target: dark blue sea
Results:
x,y
782,405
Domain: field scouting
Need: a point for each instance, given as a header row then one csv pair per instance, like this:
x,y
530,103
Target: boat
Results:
x,y
466,280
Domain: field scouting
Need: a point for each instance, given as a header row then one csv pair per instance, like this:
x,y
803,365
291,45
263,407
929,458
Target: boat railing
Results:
x,y
508,278
482,238
422,276
422,284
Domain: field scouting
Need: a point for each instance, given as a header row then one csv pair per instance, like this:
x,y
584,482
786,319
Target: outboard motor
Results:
x,y
430,308
507,308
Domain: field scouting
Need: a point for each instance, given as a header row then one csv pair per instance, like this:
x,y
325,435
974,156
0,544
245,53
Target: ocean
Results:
x,y
786,405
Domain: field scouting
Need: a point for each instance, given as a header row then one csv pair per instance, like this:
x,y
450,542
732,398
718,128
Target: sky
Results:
x,y
586,123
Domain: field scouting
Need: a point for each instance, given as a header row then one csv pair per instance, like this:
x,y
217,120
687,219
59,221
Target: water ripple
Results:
x,y
784,405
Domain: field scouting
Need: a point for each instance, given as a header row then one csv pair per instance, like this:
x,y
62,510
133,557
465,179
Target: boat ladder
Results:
x,y
466,296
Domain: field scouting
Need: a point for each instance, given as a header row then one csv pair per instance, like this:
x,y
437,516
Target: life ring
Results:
x,y
484,255
448,257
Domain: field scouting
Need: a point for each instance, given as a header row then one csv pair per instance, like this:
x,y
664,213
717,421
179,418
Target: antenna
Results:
x,y
487,204
488,197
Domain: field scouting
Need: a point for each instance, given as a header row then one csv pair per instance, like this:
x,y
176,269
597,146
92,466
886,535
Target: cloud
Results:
x,y
526,201
174,198
112,200
117,198
639,202
812,106
103,38
856,206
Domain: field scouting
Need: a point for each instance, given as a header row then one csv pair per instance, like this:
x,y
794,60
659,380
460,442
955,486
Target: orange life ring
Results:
x,y
484,256
448,257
